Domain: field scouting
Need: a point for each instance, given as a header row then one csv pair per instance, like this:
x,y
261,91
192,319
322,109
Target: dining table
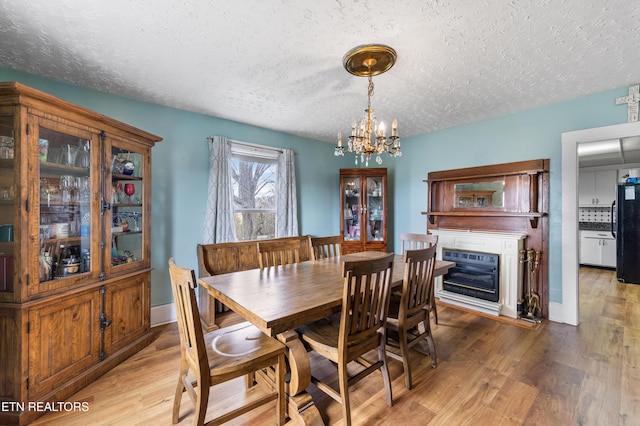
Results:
x,y
277,300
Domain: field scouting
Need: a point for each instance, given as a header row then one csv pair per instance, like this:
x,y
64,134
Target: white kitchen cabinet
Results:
x,y
608,252
597,188
597,248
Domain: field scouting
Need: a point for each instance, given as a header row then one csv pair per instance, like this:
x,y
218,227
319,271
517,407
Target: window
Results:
x,y
251,192
254,174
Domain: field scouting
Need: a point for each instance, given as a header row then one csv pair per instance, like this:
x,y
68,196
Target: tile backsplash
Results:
x,y
594,214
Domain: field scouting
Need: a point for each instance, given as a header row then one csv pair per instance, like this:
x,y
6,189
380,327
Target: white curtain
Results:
x,y
286,203
219,226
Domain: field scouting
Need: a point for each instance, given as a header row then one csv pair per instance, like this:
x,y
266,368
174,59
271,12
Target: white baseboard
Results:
x,y
556,313
163,314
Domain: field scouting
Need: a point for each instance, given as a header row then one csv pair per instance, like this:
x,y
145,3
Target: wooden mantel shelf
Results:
x,y
533,217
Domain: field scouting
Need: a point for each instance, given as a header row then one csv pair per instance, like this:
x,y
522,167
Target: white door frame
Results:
x,y
570,141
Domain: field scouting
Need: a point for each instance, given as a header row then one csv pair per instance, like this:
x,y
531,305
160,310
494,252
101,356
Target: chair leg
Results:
x,y
433,306
386,378
250,379
281,411
432,345
202,400
343,379
404,351
177,399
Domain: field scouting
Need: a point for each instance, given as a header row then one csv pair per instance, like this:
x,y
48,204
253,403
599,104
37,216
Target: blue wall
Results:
x,y
180,166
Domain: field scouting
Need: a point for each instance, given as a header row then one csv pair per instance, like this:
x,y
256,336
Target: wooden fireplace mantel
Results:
x,y
521,191
524,208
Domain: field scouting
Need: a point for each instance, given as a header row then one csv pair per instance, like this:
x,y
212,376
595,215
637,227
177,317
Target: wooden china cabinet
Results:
x,y
363,223
75,276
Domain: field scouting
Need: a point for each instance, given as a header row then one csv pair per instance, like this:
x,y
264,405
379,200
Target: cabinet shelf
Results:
x,y
63,240
55,169
118,176
124,233
120,205
60,207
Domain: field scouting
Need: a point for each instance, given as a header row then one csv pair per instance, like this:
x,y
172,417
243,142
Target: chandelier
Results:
x,y
368,136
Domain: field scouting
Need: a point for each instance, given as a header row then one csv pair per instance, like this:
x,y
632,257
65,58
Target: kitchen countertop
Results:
x,y
594,226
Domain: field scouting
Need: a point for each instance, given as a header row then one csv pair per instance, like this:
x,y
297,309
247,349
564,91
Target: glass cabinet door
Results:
x,y
127,202
65,190
375,209
7,200
352,208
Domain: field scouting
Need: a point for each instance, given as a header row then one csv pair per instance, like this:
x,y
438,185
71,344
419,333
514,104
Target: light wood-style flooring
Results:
x,y
489,373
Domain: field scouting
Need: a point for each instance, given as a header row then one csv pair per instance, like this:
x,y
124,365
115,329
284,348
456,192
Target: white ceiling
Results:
x,y
278,64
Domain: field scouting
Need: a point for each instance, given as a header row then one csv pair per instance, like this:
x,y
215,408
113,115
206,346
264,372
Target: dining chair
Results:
x,y
411,241
208,360
408,320
325,247
418,241
278,252
356,330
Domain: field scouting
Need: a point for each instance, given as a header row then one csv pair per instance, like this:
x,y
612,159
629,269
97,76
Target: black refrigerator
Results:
x,y
627,226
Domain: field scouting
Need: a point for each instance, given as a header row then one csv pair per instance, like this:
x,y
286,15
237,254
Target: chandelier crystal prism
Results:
x,y
368,136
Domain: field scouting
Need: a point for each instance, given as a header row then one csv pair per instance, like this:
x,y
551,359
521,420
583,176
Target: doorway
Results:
x,y
570,267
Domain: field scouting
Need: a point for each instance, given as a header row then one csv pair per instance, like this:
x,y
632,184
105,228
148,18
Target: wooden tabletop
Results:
x,y
283,298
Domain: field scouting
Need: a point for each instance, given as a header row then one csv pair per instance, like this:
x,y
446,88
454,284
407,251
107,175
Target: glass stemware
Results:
x,y
129,189
83,157
66,184
136,220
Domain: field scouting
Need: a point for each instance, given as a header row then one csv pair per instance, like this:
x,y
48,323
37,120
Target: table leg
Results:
x,y
301,406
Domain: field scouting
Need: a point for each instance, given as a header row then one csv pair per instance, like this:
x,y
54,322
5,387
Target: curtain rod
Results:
x,y
252,145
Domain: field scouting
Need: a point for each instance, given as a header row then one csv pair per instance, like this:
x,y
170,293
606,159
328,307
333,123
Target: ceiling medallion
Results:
x,y
367,136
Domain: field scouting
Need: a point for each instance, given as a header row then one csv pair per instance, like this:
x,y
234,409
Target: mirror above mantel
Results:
x,y
487,194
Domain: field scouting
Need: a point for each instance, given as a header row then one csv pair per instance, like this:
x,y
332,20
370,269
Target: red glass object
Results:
x,y
129,189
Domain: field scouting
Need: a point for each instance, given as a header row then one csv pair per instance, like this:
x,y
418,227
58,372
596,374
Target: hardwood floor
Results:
x,y
489,373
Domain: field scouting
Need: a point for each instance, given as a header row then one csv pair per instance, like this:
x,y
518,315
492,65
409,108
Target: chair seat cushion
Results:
x,y
229,347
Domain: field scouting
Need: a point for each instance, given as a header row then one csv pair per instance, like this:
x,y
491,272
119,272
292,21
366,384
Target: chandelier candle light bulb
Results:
x,y
367,136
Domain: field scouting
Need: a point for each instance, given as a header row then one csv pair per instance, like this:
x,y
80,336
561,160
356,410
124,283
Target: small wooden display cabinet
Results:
x,y
75,249
363,212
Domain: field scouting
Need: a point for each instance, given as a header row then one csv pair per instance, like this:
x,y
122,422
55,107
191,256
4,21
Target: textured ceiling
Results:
x,y
278,64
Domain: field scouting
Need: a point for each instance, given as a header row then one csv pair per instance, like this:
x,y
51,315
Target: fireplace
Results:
x,y
475,274
487,259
